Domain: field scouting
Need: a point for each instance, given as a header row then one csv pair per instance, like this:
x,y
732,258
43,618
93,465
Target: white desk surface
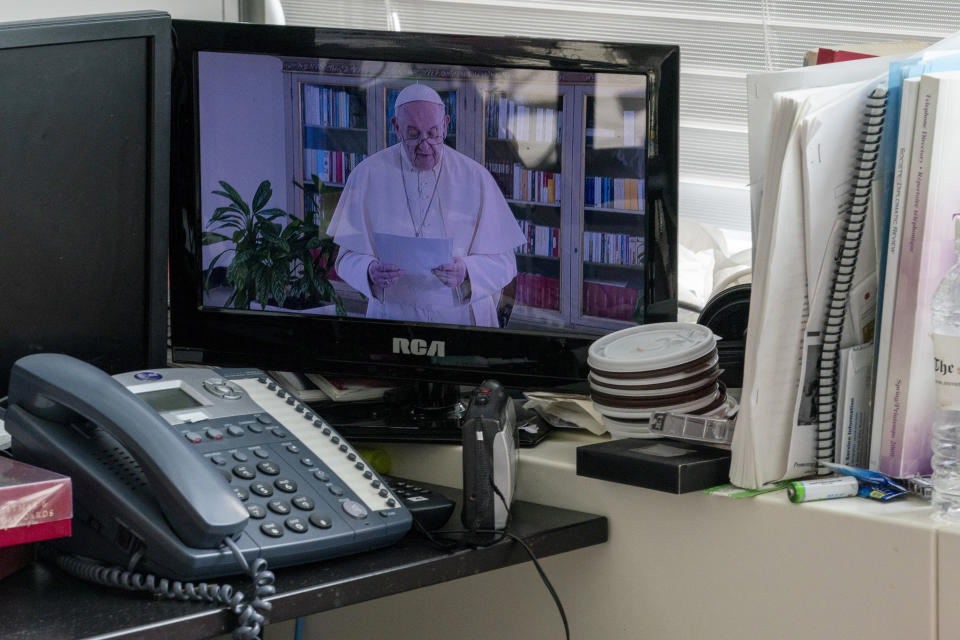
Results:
x,y
688,566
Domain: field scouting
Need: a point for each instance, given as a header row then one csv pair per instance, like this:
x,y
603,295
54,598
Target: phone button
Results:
x,y
297,525
241,493
286,485
321,521
279,506
354,509
261,489
269,468
256,511
193,437
303,503
272,529
244,472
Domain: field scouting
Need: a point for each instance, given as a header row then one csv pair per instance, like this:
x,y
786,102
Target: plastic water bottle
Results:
x,y
945,311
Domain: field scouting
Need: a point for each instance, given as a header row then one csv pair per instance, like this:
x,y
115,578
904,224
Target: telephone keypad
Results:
x,y
296,484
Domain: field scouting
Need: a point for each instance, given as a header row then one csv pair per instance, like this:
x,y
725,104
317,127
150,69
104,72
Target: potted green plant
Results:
x,y
278,259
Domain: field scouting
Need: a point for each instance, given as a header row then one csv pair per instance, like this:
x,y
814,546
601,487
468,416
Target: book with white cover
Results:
x,y
898,205
926,254
854,405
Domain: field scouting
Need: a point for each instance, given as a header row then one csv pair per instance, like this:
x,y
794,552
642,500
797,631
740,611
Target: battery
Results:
x,y
822,489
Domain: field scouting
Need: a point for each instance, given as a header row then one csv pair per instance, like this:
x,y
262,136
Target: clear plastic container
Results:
x,y
945,322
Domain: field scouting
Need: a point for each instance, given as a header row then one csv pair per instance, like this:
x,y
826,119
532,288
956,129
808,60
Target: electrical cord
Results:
x,y
250,618
450,545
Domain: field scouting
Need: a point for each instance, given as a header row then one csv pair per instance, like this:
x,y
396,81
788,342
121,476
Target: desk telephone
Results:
x,y
167,463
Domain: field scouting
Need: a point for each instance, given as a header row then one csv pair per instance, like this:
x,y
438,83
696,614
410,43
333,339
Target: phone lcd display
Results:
x,y
174,399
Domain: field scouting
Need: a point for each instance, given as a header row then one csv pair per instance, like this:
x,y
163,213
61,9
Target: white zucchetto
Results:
x,y
415,93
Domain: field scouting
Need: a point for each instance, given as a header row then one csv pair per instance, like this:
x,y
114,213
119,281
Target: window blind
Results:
x,y
720,43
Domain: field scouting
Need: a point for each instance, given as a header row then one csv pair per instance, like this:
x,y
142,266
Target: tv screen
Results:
x,y
419,206
84,187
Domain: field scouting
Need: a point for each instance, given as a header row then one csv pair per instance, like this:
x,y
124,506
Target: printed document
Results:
x,y
416,256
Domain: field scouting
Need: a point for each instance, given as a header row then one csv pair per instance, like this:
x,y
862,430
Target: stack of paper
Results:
x,y
805,133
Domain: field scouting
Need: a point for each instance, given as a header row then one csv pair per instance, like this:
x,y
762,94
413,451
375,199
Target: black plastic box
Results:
x,y
663,464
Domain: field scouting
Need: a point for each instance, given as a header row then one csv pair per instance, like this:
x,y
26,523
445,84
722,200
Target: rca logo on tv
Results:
x,y
417,347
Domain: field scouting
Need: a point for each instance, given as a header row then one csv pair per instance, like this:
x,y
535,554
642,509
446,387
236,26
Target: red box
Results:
x,y
35,505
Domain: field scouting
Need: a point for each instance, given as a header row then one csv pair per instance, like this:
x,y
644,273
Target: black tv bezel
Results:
x,y
154,28
365,347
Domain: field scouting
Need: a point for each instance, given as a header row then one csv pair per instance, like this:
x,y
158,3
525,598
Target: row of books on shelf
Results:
x,y
633,134
537,290
507,119
529,185
612,300
541,240
612,248
332,167
332,107
625,194
601,299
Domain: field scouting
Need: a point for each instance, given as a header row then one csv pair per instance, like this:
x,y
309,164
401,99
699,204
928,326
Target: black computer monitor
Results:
x,y
578,141
84,189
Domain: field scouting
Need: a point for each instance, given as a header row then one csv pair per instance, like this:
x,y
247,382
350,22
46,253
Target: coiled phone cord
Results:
x,y
251,620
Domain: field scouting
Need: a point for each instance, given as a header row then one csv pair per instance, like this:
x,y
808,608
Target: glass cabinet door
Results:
x,y
333,134
613,232
522,149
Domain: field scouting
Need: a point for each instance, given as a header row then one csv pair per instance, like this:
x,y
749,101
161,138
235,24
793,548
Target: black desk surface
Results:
x,y
42,602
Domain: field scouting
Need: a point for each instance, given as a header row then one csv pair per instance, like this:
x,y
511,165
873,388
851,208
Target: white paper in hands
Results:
x,y
416,256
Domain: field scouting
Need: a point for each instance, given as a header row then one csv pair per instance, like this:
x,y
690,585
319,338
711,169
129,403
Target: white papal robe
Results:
x,y
466,206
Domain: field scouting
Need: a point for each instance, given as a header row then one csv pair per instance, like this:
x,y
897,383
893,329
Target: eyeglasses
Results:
x,y
433,137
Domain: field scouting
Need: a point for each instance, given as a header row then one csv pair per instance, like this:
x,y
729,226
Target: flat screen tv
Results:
x,y
422,207
84,189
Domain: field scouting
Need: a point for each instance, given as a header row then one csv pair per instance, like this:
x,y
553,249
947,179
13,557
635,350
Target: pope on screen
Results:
x,y
424,189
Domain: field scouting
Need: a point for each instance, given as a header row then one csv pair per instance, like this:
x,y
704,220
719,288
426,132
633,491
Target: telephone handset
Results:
x,y
65,390
167,463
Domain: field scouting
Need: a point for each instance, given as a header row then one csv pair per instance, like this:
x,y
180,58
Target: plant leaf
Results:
x,y
210,237
262,196
231,194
